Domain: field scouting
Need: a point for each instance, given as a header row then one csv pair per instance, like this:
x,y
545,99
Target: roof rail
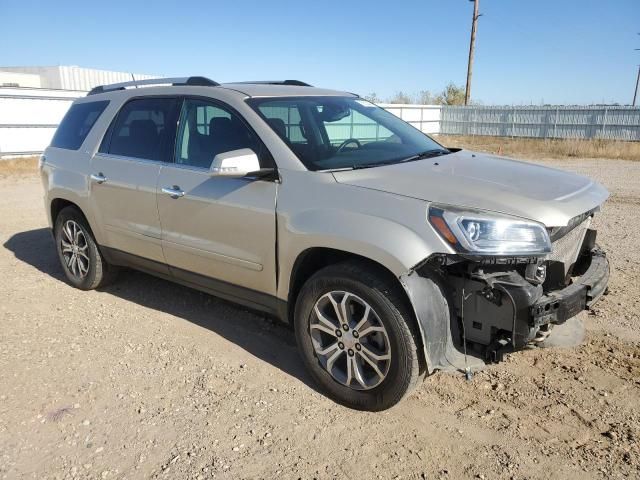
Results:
x,y
193,81
296,83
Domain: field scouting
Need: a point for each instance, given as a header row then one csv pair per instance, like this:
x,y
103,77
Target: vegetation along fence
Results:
x,y
606,122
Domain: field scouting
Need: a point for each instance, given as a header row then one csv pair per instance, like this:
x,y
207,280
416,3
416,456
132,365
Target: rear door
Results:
x,y
125,174
221,232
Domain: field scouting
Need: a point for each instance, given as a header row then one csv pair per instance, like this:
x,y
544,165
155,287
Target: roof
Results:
x,y
282,88
268,90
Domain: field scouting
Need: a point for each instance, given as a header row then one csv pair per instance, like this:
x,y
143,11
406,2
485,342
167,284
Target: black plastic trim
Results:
x,y
294,83
559,306
195,81
247,297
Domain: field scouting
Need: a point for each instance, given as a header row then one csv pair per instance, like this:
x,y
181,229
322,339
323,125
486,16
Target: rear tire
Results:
x,y
83,264
357,337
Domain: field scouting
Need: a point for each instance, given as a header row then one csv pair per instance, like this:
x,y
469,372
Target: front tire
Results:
x,y
357,337
83,264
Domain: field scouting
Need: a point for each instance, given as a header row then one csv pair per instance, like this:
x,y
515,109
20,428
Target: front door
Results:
x,y
218,232
125,175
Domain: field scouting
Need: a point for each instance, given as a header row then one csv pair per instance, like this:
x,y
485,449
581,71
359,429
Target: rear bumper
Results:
x,y
558,306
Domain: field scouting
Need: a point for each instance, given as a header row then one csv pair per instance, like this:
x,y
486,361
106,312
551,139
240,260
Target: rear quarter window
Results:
x,y
77,124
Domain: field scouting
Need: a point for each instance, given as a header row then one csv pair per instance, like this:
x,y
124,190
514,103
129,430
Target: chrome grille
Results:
x,y
567,248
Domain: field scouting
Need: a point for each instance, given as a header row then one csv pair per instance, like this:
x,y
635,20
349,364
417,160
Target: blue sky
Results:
x,y
552,51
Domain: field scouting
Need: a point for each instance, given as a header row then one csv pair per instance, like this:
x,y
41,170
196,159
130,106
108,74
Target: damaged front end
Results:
x,y
500,303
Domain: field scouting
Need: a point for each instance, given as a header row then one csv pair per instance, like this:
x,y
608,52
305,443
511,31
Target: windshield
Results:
x,y
329,133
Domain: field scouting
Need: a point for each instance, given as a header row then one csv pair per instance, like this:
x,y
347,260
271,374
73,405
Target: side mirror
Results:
x,y
236,163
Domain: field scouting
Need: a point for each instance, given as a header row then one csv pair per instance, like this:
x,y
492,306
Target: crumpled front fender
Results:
x,y
433,313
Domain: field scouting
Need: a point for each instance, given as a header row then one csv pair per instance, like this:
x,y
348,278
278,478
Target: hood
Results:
x,y
486,182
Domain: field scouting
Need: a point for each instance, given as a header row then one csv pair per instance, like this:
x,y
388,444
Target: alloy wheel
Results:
x,y
75,249
349,340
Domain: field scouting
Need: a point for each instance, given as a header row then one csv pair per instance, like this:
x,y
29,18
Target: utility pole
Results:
x,y
635,92
474,25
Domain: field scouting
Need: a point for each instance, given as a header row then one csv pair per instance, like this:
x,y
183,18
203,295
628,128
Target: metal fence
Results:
x,y
425,118
29,117
611,123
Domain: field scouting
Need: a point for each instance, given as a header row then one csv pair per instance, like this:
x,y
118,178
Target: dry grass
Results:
x,y
539,148
19,166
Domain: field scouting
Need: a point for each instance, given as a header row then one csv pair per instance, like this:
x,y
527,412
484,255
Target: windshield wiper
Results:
x,y
371,165
436,152
419,156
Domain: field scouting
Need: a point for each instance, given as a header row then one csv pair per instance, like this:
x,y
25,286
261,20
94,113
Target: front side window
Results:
x,y
328,133
207,129
77,124
144,128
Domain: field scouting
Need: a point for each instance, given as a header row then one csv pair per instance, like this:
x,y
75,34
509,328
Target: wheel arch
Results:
x,y
314,259
58,204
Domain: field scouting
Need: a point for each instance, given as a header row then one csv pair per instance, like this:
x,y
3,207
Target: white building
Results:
x,y
33,100
64,77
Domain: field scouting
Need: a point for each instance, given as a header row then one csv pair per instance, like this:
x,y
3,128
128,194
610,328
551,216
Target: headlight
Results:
x,y
485,233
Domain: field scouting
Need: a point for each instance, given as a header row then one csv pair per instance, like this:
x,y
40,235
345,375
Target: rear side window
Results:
x,y
77,124
144,128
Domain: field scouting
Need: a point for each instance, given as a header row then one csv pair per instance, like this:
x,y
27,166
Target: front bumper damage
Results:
x,y
558,306
493,306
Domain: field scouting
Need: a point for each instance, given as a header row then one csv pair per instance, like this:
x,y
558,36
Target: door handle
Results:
x,y
99,178
173,192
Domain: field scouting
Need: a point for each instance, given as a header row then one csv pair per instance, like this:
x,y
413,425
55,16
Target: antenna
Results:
x,y
134,80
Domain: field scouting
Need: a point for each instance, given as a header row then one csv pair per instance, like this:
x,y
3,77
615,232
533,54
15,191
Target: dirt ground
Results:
x,y
147,379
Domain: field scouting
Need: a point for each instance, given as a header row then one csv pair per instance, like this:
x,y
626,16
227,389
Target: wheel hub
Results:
x,y
349,340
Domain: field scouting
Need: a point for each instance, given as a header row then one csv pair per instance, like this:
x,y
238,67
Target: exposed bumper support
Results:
x,y
499,310
558,306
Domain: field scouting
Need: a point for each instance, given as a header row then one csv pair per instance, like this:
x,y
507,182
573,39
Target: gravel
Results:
x,y
147,379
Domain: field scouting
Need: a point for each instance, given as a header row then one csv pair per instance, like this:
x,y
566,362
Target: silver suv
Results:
x,y
390,255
